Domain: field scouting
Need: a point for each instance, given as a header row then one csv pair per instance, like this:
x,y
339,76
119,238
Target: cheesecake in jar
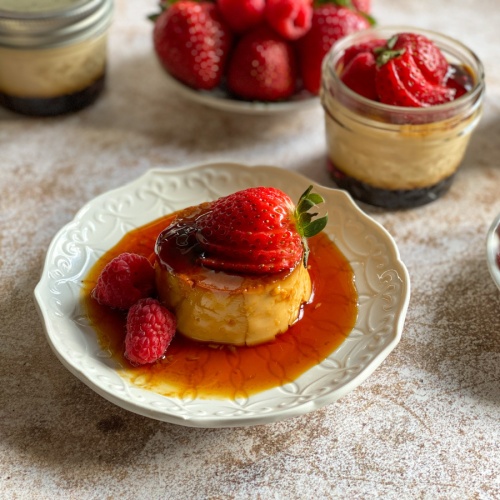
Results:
x,y
398,122
52,54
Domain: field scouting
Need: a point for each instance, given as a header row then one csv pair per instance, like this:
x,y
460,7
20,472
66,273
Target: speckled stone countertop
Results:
x,y
426,424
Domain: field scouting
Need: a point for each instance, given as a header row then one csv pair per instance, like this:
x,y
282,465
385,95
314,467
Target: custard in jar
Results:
x,y
52,54
397,156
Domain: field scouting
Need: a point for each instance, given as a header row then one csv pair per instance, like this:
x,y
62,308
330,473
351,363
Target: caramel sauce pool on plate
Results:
x,y
192,369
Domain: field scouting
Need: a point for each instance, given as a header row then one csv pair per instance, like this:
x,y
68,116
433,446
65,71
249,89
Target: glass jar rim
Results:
x,y
332,58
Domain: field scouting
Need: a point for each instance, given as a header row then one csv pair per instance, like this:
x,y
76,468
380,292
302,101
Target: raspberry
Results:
x,y
123,281
290,18
150,329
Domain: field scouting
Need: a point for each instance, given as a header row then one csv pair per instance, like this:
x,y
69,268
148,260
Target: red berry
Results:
x,y
262,67
257,230
400,80
359,75
123,281
252,231
427,56
192,42
150,329
290,18
368,46
391,89
329,23
241,15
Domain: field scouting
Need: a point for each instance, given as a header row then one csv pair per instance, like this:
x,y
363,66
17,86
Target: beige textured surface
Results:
x,y
426,424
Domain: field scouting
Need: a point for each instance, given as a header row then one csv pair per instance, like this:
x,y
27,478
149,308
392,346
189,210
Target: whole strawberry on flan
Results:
x,y
234,271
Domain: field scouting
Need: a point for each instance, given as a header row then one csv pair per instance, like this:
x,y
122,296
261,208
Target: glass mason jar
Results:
x,y
398,157
52,54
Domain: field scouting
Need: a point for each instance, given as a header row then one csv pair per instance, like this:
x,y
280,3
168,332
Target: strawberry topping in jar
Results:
x,y
400,105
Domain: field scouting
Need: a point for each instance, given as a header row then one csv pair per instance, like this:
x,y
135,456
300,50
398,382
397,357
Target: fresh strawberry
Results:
x,y
262,66
368,46
391,89
290,18
330,22
400,80
258,231
241,15
359,75
192,42
427,56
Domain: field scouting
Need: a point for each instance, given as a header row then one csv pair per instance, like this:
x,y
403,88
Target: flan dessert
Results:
x,y
235,271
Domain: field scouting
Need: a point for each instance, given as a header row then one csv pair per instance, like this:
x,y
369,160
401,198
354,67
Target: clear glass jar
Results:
x,y
52,54
398,157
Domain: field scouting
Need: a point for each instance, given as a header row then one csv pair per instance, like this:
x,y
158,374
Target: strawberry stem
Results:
x,y
386,53
307,226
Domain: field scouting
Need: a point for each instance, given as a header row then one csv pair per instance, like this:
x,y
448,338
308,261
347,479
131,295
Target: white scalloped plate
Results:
x,y
219,99
381,278
493,250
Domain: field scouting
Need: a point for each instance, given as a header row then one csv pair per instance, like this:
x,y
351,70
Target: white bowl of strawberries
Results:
x,y
252,55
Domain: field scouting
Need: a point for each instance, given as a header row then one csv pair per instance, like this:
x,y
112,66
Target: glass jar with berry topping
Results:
x,y
52,54
398,121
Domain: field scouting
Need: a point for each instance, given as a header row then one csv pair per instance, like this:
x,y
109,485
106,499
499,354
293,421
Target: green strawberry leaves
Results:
x,y
307,225
385,54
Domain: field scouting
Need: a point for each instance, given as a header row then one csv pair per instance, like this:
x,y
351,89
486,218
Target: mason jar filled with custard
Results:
x,y
52,54
399,156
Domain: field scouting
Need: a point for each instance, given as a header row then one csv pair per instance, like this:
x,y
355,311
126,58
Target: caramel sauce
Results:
x,y
198,370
